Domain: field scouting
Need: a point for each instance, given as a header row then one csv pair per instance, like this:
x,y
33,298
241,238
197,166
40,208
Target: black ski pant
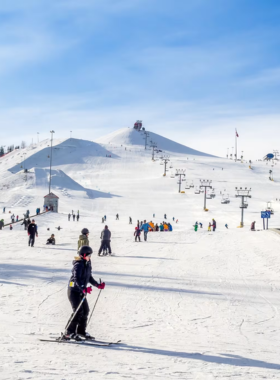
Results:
x,y
145,235
137,236
104,245
79,323
31,240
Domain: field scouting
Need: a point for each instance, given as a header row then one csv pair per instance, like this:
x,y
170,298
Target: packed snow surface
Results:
x,y
186,305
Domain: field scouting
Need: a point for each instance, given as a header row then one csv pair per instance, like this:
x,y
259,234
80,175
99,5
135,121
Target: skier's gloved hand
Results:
x,y
87,290
101,286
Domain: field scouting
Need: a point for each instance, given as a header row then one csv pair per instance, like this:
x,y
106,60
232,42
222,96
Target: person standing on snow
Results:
x,y
117,217
105,240
69,216
77,290
74,217
32,231
13,218
137,233
130,220
4,210
145,228
25,223
214,225
78,217
1,224
83,238
253,226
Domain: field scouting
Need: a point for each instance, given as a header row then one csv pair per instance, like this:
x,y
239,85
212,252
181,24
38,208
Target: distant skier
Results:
x,y
145,228
58,228
209,227
200,225
11,227
195,227
102,220
4,210
165,216
51,240
77,291
13,218
69,217
32,231
105,218
253,226
83,238
173,218
130,220
137,233
74,217
117,217
78,217
17,218
226,226
1,224
105,240
154,215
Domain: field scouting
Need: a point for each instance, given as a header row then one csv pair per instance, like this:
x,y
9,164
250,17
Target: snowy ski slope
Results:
x,y
186,305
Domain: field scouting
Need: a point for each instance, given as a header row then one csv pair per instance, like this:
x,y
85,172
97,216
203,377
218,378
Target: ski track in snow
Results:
x,y
186,305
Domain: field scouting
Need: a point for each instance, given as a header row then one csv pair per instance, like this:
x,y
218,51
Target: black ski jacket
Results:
x,y
105,234
81,275
32,229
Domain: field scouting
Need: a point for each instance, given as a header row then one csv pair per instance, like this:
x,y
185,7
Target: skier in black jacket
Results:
x,y
32,231
77,291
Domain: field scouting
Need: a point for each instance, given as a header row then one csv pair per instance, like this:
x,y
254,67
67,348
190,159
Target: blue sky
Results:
x,y
192,70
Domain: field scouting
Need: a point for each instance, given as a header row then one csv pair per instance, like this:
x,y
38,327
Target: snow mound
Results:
x,y
69,152
129,136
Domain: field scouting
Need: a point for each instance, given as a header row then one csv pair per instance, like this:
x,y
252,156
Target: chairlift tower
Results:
x,y
276,153
165,159
146,138
205,183
180,173
243,194
153,146
50,182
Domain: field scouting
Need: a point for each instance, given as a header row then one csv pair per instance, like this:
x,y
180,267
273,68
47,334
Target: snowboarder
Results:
x,y
117,217
130,220
145,228
83,238
253,226
77,291
32,231
74,217
105,240
51,240
69,216
137,233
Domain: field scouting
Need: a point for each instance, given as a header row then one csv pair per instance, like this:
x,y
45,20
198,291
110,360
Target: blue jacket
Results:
x,y
170,227
145,227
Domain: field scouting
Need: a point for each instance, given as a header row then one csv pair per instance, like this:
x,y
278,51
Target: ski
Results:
x,y
81,342
55,337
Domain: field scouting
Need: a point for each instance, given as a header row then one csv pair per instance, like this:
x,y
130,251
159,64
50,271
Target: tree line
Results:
x,y
10,148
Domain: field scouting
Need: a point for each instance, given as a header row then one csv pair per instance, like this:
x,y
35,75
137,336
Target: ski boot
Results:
x,y
87,336
72,336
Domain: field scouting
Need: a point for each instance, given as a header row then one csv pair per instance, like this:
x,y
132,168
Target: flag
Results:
x,y
236,133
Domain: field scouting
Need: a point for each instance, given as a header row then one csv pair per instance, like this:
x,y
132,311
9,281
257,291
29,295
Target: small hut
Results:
x,y
51,201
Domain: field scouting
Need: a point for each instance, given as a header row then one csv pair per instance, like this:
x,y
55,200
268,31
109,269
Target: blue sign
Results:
x,y
265,214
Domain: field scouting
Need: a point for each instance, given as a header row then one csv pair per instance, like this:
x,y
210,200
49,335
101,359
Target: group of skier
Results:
x,y
74,216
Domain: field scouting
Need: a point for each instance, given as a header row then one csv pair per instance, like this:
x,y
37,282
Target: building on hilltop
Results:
x,y
138,125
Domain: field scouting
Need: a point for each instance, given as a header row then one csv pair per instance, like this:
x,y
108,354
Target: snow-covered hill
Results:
x,y
186,305
129,136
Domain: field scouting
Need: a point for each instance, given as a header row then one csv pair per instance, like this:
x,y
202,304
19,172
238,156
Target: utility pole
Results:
x,y
165,159
153,146
243,194
205,183
276,153
50,181
146,138
180,173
